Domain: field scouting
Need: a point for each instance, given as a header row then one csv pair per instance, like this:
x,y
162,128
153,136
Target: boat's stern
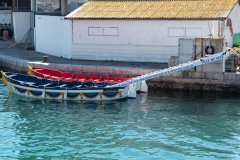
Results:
x,y
131,91
29,72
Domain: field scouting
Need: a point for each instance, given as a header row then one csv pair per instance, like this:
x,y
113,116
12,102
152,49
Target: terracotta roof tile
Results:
x,y
154,9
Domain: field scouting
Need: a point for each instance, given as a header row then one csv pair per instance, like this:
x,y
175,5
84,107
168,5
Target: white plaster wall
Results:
x,y
235,18
5,16
53,35
134,40
21,24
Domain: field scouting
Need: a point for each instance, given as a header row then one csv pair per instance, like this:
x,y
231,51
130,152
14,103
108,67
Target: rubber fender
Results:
x,y
209,50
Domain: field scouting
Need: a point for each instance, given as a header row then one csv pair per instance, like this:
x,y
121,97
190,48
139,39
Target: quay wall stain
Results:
x,y
178,81
215,82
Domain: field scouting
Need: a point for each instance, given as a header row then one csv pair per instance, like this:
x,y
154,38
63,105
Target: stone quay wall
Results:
x,y
194,81
179,81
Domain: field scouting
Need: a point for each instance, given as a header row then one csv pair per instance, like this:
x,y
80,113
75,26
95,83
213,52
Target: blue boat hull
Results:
x,y
46,89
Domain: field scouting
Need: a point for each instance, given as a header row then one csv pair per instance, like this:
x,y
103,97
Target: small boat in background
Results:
x,y
68,77
41,88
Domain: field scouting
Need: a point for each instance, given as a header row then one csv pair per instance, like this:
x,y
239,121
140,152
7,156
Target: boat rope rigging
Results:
x,y
180,67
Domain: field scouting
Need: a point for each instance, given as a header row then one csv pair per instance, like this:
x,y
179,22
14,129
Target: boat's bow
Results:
x,y
5,81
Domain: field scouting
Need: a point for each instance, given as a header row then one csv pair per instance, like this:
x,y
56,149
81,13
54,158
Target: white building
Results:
x,y
53,34
15,18
143,31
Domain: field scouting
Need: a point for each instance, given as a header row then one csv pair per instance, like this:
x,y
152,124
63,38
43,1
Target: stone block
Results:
x,y
237,76
11,61
62,67
200,75
104,70
191,74
19,66
185,74
176,74
218,76
167,75
139,72
11,64
231,76
2,59
127,71
209,75
230,82
75,68
89,69
25,66
51,66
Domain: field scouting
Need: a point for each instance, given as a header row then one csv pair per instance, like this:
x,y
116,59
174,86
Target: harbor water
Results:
x,y
155,125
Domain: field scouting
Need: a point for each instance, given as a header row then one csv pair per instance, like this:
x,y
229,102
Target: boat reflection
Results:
x,y
15,103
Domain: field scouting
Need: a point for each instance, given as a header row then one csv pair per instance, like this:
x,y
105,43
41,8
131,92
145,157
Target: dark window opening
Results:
x,y
5,4
49,7
24,5
21,5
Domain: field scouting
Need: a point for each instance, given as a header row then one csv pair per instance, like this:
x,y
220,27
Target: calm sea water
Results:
x,y
157,125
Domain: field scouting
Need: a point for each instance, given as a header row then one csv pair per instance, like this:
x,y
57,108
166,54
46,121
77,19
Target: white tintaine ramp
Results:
x,y
181,67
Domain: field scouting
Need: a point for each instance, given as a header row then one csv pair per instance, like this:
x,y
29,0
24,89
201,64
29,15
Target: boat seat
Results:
x,y
30,83
26,83
78,86
63,85
39,69
10,76
23,82
45,85
54,78
46,76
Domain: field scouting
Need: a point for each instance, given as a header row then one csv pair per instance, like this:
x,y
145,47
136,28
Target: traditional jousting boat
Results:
x,y
41,88
68,77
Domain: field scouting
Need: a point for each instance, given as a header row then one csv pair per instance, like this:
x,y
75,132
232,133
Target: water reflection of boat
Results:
x,y
15,102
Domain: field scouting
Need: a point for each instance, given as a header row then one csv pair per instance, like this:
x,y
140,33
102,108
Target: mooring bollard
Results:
x,y
45,58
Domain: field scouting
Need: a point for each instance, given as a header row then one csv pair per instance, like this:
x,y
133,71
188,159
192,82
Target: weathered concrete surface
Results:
x,y
16,59
192,81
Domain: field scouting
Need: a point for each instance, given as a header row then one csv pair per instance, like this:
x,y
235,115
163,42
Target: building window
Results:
x,y
103,31
176,32
81,2
5,4
184,32
22,5
48,6
74,4
53,7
